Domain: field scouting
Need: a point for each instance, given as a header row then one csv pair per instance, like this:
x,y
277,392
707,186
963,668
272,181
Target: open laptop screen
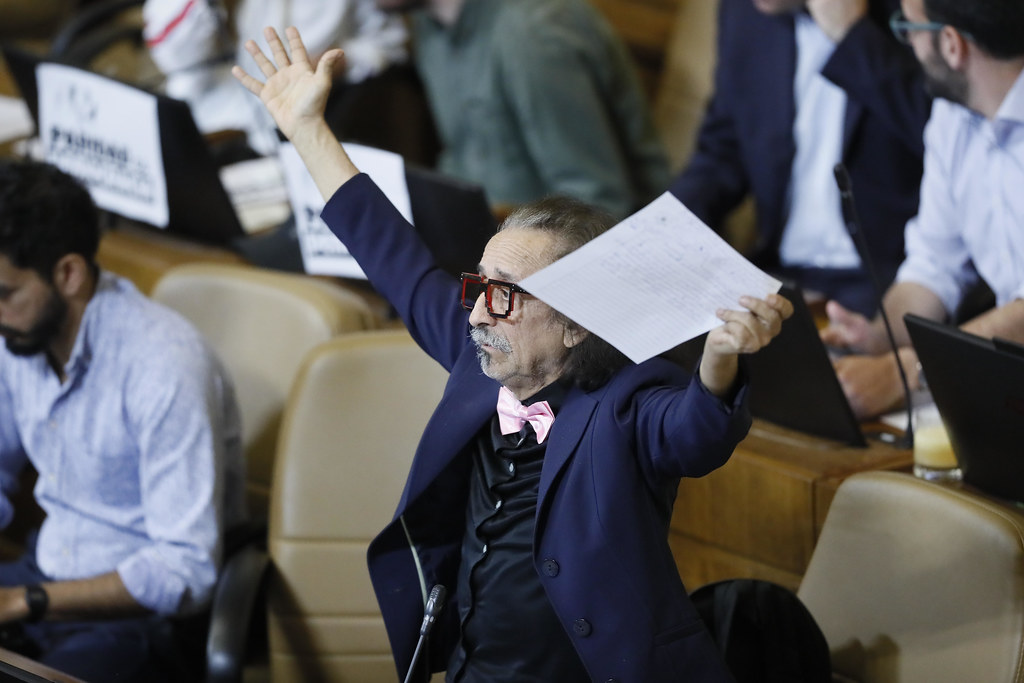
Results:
x,y
197,205
978,388
793,384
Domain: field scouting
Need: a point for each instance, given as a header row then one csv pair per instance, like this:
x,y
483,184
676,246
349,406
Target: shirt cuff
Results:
x,y
161,590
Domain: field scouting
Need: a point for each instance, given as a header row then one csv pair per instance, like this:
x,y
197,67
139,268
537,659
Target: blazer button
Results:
x,y
582,628
551,568
612,680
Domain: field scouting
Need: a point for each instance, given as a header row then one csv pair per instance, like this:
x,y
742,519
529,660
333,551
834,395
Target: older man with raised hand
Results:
x,y
542,488
970,224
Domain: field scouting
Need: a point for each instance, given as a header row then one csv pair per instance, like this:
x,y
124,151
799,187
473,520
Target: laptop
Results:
x,y
453,217
793,384
198,206
978,387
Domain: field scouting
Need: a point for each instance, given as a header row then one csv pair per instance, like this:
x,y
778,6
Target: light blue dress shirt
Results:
x,y
971,218
138,451
815,234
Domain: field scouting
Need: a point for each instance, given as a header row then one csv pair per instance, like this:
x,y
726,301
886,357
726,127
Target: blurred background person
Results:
x,y
801,85
970,226
194,43
536,97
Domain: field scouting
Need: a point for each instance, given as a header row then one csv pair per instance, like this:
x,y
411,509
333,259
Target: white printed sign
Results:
x,y
322,252
107,135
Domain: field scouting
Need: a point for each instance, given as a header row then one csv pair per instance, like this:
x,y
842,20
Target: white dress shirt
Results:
x,y
815,236
971,219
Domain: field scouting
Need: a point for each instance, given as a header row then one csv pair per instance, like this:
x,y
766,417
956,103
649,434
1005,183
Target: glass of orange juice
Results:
x,y
934,459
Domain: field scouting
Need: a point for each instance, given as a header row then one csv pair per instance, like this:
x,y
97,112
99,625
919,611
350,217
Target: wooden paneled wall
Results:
x,y
646,26
673,45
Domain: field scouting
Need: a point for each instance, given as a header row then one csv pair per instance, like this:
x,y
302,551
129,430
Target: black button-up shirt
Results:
x,y
509,630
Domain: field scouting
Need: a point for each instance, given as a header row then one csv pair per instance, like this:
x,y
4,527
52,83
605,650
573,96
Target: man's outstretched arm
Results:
x,y
295,94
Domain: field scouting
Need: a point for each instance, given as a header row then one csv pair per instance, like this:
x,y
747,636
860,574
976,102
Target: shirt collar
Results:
x,y
81,352
553,393
1012,107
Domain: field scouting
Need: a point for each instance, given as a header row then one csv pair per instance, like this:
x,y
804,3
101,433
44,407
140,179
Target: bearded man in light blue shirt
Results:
x,y
131,424
970,223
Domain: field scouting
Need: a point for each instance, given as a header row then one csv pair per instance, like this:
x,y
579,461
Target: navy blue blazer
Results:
x,y
746,146
609,479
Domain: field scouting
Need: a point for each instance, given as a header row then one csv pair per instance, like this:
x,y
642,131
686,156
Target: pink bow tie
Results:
x,y
512,414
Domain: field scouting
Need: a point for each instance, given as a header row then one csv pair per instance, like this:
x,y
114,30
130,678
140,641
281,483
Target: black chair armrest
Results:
x,y
238,592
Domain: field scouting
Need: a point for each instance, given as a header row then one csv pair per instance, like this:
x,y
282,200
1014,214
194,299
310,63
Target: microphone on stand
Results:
x,y
434,604
852,222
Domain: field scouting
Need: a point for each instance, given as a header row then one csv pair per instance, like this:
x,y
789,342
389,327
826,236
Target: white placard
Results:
x,y
107,135
15,119
322,252
652,282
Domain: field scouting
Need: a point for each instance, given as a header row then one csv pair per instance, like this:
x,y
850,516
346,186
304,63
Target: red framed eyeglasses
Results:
x,y
498,294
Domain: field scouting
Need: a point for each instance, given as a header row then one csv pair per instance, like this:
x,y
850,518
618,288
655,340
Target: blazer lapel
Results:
x,y
773,88
570,424
854,113
468,402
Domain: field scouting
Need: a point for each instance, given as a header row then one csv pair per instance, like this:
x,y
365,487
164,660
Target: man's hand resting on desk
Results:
x,y
847,330
871,381
870,378
871,384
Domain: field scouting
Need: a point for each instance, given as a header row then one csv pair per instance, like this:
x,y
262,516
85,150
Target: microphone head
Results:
x,y
436,600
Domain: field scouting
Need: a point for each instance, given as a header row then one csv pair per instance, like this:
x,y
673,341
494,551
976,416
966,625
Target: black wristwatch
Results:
x,y
38,602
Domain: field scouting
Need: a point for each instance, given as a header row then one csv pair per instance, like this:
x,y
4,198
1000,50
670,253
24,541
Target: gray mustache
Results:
x,y
481,336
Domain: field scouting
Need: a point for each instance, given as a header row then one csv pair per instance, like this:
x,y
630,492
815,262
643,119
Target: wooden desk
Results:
x,y
759,516
36,668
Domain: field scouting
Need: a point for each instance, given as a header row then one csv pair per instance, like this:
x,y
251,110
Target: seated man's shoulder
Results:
x,y
652,373
135,326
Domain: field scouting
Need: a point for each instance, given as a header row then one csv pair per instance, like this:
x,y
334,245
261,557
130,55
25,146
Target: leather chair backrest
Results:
x,y
914,581
352,424
261,323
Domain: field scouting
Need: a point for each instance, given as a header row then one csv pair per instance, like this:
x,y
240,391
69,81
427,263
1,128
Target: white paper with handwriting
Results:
x,y
652,282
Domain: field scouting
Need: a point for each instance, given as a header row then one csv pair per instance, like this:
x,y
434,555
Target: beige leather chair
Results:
x,y
915,582
354,417
261,323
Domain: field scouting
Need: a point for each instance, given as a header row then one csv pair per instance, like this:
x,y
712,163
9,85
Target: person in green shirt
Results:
x,y
534,98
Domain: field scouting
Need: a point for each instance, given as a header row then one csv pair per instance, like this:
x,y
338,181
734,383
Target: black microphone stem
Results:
x,y
852,221
434,604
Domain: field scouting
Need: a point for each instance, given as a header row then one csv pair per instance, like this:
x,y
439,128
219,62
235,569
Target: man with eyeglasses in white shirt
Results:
x,y
970,224
800,86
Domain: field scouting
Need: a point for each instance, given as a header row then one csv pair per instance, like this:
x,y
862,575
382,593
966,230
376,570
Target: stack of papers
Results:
x,y
652,282
258,192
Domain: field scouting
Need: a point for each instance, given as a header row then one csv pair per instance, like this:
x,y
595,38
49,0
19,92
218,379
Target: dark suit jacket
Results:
x,y
610,473
745,145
